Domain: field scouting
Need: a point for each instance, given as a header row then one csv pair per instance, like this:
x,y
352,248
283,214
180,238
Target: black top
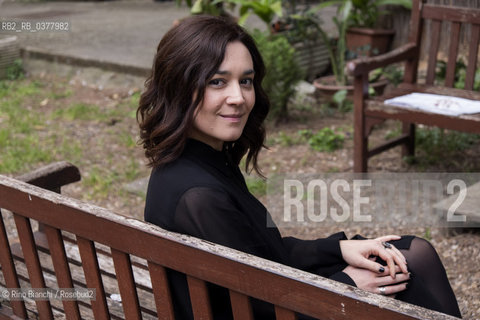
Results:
x,y
204,195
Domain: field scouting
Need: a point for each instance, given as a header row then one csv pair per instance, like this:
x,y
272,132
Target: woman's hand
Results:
x,y
357,253
373,282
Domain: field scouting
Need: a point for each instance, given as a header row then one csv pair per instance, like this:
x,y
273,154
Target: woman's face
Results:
x,y
229,98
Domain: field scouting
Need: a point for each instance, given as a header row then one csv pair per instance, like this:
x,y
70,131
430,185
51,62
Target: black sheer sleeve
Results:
x,y
312,253
210,214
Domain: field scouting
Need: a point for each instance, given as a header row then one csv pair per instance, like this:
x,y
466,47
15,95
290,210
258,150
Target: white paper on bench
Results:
x,y
436,103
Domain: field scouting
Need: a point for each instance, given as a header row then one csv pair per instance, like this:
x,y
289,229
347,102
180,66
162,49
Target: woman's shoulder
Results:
x,y
183,173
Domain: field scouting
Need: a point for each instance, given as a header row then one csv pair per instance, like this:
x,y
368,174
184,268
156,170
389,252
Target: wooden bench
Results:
x,y
84,246
370,111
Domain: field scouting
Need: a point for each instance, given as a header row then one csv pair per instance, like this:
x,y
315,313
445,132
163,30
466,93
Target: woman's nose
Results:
x,y
235,94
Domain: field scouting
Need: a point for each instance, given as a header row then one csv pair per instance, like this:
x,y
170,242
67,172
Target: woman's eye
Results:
x,y
216,82
247,82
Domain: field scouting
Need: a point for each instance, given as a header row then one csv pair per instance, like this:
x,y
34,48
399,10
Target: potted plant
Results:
x,y
337,49
311,51
364,37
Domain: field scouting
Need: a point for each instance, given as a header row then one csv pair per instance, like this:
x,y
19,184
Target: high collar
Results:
x,y
214,161
205,154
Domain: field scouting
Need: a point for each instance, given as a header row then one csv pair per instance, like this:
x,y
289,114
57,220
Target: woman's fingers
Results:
x,y
388,286
357,252
388,238
387,280
398,253
393,289
391,257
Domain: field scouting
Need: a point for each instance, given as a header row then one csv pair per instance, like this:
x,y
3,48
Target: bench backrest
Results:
x,y
129,240
446,24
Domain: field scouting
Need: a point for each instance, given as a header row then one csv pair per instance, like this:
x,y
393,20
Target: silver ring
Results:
x,y
382,290
387,245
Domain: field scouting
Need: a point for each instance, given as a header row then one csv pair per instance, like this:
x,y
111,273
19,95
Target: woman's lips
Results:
x,y
232,117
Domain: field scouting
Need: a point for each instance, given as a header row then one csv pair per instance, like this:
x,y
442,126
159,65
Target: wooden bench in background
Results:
x,y
370,111
80,245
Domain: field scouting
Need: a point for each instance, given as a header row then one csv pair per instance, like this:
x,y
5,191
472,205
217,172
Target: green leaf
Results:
x,y
243,18
404,3
339,97
277,8
345,10
197,7
324,5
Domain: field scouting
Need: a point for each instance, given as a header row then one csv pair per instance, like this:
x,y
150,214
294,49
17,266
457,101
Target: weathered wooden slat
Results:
x,y
53,176
103,255
284,314
62,271
199,297
416,30
433,51
472,57
161,291
50,282
8,270
126,284
114,306
93,277
452,54
241,306
449,13
35,274
108,277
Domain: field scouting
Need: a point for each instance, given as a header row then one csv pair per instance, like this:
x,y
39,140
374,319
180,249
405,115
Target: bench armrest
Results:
x,y
52,176
365,65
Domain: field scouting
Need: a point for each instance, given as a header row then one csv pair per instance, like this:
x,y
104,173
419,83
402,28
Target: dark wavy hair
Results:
x,y
187,58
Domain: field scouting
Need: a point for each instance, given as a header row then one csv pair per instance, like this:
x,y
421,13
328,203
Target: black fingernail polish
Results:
x,y
382,269
407,285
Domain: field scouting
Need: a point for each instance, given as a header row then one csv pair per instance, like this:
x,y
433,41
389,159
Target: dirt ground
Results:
x,y
459,251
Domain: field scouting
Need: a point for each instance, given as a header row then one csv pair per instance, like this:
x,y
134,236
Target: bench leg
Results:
x,y
360,136
408,149
360,153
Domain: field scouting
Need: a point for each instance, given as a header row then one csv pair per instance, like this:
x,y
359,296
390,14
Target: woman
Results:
x,y
202,112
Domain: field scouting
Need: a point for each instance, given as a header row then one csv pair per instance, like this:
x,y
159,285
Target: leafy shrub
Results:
x,y
460,74
326,140
438,141
283,71
15,71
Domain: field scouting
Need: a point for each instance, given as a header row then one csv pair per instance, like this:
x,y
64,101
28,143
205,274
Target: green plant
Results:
x,y
15,71
367,13
342,102
437,141
257,186
283,72
204,6
336,49
305,134
428,234
460,74
266,10
326,140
